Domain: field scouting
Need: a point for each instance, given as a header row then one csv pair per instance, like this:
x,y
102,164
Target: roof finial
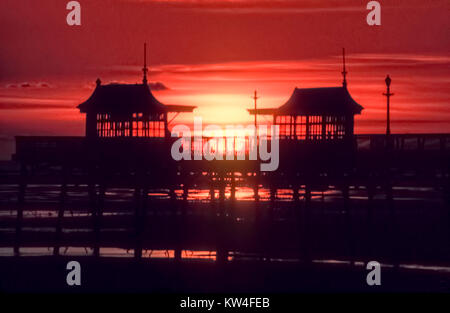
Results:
x,y
344,70
144,69
255,97
98,82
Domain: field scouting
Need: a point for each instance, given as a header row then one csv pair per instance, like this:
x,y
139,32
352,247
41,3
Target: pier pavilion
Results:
x,y
127,110
316,114
87,174
316,127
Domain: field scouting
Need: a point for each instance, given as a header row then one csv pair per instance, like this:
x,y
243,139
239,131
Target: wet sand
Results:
x,y
48,274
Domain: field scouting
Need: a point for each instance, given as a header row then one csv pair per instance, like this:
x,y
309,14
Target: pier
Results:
x,y
334,197
389,203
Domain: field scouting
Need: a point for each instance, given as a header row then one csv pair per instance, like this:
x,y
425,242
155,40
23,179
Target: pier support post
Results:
x,y
212,195
180,221
185,199
98,217
348,221
370,217
446,189
146,203
138,222
273,196
222,252
295,198
232,209
93,204
270,227
392,221
177,224
222,185
96,200
256,196
62,204
20,205
296,214
306,220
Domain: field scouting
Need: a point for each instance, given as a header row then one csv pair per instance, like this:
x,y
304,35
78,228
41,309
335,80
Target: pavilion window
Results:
x,y
126,129
156,129
140,129
285,131
300,127
103,125
329,128
134,125
334,127
146,125
106,124
286,123
134,129
315,127
341,127
98,124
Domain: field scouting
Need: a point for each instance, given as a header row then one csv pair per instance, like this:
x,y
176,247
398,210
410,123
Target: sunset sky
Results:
x,y
214,54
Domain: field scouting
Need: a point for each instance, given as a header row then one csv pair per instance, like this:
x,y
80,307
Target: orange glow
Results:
x,y
221,108
214,54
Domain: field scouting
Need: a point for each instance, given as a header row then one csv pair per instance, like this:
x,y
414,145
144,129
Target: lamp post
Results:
x,y
388,95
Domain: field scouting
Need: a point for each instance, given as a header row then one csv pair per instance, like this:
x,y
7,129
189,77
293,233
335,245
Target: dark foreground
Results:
x,y
116,275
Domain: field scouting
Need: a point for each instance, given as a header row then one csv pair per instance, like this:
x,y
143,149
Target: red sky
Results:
x,y
213,54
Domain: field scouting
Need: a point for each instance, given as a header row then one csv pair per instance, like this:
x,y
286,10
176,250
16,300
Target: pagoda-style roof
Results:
x,y
127,99
316,101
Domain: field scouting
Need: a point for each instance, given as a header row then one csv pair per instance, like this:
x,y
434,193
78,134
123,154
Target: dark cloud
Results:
x,y
158,86
43,85
32,106
29,85
155,86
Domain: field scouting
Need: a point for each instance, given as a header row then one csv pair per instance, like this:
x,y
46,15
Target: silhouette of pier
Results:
x,y
309,209
336,195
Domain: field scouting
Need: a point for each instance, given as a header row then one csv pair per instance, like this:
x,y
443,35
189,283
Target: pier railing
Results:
x,y
402,142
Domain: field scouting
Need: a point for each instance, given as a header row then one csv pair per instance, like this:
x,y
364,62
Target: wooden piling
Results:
x,y
370,217
61,208
306,222
138,222
392,221
256,183
20,206
348,219
222,252
232,207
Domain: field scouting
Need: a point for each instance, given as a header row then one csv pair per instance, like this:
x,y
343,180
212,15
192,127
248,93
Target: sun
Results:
x,y
223,108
